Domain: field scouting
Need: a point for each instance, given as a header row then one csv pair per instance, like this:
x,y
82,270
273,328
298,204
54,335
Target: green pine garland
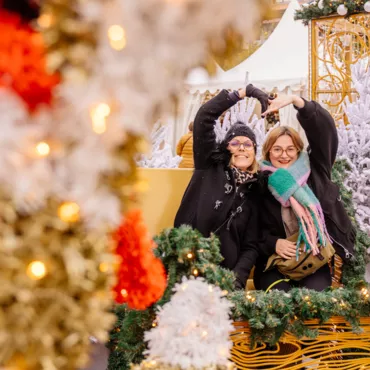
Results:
x,y
185,252
312,11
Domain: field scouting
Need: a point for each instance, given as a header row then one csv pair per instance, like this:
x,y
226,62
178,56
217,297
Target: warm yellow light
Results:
x,y
210,288
190,255
117,37
307,298
204,334
225,292
118,45
98,116
154,324
99,124
69,212
195,272
42,149
103,267
116,32
36,270
124,293
45,20
102,109
184,286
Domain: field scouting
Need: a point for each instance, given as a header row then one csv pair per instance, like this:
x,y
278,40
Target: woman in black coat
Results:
x,y
220,196
283,148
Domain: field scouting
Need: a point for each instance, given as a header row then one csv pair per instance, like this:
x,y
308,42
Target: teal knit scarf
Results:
x,y
289,187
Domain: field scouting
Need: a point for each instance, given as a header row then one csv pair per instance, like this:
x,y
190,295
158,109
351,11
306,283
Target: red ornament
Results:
x,y
22,61
141,276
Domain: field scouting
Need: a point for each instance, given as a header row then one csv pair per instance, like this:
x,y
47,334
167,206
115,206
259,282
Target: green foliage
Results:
x,y
354,272
312,11
184,252
270,314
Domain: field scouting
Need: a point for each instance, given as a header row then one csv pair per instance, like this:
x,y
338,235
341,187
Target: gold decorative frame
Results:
x,y
337,43
336,347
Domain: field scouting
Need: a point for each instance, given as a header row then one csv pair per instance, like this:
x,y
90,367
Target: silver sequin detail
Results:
x,y
227,175
218,204
229,188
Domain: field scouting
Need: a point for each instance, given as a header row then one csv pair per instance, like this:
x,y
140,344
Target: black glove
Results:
x,y
262,97
238,285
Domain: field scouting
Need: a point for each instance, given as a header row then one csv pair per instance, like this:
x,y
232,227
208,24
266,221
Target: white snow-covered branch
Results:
x,y
193,328
160,155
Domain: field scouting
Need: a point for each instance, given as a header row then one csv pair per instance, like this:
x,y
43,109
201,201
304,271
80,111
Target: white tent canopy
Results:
x,y
282,61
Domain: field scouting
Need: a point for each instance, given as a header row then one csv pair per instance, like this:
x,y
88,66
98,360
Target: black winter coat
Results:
x,y
323,144
212,201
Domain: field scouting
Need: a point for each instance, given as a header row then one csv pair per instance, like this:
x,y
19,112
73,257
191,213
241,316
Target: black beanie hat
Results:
x,y
240,129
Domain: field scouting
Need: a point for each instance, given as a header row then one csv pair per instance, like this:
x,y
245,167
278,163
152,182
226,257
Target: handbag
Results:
x,y
306,264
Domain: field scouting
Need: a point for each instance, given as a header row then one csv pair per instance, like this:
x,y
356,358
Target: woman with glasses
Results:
x,y
219,198
315,211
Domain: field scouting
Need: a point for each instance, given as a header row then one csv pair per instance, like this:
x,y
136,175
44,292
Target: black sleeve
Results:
x,y
321,134
249,249
204,136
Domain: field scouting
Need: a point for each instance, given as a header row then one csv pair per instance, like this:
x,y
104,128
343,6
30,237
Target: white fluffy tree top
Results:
x,y
193,328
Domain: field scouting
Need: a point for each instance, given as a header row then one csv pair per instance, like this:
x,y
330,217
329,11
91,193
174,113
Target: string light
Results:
x,y
195,272
190,256
210,288
117,37
124,293
103,267
45,20
365,292
204,334
307,298
184,286
99,114
42,149
225,292
36,270
69,212
154,324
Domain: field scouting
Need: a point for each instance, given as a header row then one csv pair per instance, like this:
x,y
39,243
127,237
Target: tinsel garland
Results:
x,y
56,282
329,7
71,37
141,276
22,62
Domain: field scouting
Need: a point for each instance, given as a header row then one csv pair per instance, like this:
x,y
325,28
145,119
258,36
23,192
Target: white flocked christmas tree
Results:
x,y
193,328
354,144
160,155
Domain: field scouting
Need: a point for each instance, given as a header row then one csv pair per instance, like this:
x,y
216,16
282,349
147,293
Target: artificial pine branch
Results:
x,y
312,11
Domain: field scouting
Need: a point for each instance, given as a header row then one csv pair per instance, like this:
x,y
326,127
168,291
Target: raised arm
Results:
x,y
204,136
321,134
319,127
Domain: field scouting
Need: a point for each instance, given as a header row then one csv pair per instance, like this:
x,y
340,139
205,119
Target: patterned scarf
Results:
x,y
241,176
289,187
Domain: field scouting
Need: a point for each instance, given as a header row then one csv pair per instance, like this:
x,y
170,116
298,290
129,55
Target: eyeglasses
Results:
x,y
236,144
277,151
